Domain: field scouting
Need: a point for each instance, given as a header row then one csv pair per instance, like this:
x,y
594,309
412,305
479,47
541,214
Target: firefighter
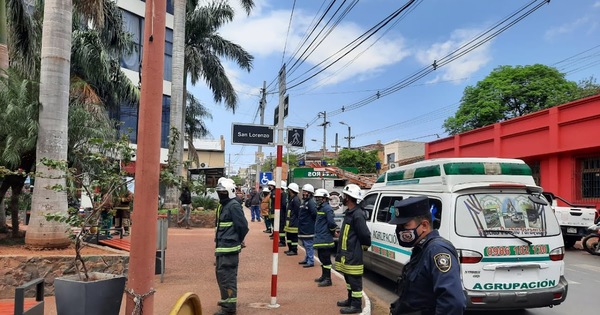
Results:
x,y
291,226
353,240
325,229
231,230
306,224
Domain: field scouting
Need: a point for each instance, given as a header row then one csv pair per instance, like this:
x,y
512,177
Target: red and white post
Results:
x,y
278,178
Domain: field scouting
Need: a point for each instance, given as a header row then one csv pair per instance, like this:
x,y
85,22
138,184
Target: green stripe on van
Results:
x,y
392,248
515,259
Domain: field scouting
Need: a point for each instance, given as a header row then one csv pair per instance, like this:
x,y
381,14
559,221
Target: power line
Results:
x,y
477,41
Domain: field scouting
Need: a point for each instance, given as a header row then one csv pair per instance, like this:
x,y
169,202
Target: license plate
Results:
x,y
572,230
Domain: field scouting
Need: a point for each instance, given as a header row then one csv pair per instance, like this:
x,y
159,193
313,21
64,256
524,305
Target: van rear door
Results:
x,y
507,242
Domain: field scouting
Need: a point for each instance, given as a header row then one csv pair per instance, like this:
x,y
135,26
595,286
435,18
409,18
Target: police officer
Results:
x,y
291,226
325,228
231,230
430,281
353,240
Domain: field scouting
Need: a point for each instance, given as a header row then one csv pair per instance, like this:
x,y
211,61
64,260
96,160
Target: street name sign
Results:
x,y
252,134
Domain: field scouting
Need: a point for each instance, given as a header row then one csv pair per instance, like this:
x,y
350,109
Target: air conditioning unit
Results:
x,y
392,166
203,165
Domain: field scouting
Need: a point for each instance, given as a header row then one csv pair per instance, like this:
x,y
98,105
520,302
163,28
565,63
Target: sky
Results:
x,y
563,33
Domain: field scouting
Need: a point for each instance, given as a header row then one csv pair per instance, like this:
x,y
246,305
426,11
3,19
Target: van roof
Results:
x,y
457,173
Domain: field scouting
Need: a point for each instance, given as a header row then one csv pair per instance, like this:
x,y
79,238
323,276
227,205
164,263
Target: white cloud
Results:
x,y
567,28
596,4
264,36
462,67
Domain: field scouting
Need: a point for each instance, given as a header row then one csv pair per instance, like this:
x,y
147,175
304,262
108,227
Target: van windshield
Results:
x,y
510,214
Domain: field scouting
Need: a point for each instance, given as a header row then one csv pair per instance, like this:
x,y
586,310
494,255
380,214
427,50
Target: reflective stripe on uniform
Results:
x,y
357,294
225,224
327,245
229,300
228,249
345,237
291,229
349,269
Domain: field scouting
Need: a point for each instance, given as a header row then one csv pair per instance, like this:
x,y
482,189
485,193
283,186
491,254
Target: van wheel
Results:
x,y
570,242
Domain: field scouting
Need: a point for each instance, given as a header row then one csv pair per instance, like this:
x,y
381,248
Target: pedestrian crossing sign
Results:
x,y
295,137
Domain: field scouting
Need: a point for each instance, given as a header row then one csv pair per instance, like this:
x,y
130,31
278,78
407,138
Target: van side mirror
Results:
x,y
537,200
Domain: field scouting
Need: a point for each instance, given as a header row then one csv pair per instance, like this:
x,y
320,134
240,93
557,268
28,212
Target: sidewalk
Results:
x,y
189,268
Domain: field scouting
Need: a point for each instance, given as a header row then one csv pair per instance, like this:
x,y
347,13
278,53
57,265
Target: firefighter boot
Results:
x,y
346,302
354,308
322,277
325,283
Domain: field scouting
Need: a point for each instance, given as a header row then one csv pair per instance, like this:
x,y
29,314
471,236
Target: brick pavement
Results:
x,y
190,268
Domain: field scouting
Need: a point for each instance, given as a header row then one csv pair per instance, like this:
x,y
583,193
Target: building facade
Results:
x,y
133,12
560,144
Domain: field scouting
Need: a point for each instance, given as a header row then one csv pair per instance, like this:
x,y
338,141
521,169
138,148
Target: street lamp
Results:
x,y
349,137
323,148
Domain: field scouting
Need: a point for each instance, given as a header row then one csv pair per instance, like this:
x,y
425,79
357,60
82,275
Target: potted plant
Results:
x,y
97,172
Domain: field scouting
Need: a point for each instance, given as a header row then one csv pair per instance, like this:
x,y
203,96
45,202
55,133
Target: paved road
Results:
x,y
582,270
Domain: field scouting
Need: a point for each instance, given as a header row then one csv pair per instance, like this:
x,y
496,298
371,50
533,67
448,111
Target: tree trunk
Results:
x,y
3,36
53,128
14,207
3,189
177,105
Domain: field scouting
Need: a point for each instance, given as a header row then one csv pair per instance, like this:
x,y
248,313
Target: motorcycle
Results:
x,y
591,242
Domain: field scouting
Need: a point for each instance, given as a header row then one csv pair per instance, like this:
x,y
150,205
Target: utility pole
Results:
x,y
229,165
140,286
336,146
349,137
324,124
261,105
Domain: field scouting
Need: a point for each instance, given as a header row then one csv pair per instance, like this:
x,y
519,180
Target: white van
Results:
x,y
508,240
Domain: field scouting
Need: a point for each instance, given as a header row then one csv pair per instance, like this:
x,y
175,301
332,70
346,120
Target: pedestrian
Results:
x,y
255,205
430,281
186,204
231,230
265,208
282,209
306,224
353,240
291,226
325,229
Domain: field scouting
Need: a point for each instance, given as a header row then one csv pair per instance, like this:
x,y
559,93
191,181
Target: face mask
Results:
x,y
407,237
223,197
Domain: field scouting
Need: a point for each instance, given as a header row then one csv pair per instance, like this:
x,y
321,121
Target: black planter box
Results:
x,y
101,296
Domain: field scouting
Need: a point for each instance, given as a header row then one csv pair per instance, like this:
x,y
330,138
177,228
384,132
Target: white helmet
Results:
x,y
271,183
308,188
225,179
284,185
322,193
352,190
294,187
227,186
266,189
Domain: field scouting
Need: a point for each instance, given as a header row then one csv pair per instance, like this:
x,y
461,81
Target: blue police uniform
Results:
x,y
431,281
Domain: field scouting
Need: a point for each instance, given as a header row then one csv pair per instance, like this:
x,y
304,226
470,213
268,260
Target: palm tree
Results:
x,y
3,34
196,51
54,70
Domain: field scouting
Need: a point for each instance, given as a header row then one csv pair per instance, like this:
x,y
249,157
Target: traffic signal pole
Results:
x,y
262,105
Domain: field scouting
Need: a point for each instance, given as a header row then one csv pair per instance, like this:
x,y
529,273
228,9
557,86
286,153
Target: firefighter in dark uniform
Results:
x,y
325,228
291,225
430,281
354,238
231,230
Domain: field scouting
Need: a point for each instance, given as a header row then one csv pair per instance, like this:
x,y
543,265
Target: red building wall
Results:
x,y
557,138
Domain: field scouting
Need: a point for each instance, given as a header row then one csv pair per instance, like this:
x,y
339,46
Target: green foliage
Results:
x,y
206,202
99,169
510,92
364,161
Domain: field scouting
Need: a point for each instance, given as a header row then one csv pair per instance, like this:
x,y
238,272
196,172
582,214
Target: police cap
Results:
x,y
409,208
